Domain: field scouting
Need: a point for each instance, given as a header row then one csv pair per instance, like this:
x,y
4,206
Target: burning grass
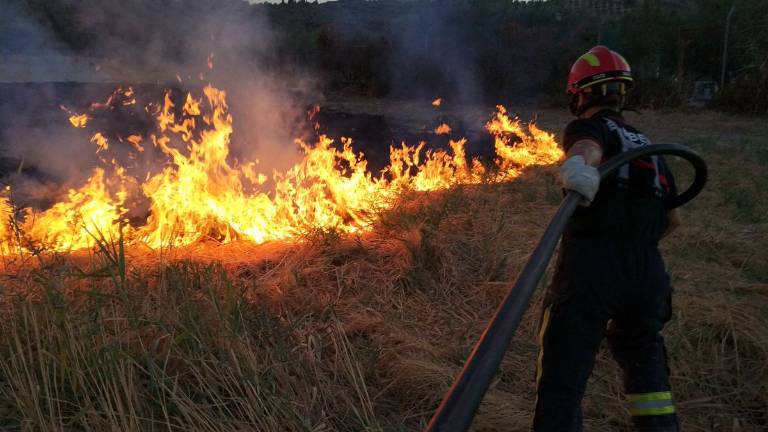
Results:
x,y
329,187
365,331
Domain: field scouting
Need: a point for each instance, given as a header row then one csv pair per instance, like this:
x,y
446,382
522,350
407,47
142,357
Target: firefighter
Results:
x,y
610,281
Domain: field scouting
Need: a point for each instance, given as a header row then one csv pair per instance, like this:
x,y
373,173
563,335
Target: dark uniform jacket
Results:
x,y
606,243
632,203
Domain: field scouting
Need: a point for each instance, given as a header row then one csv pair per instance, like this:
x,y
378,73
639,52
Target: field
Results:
x,y
347,333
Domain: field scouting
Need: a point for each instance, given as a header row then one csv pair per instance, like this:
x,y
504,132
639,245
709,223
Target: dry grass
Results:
x,y
366,333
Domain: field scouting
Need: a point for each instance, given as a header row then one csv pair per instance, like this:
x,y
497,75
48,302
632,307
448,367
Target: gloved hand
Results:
x,y
577,176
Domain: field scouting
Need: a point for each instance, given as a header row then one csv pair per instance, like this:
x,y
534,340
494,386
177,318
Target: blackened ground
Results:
x,y
373,134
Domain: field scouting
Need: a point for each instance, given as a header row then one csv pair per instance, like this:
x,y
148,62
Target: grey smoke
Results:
x,y
144,43
435,36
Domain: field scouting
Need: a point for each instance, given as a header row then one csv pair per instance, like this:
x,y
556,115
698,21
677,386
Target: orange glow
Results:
x,y
437,102
443,129
135,141
201,193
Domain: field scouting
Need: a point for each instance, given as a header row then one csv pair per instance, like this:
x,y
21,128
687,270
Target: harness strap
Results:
x,y
631,140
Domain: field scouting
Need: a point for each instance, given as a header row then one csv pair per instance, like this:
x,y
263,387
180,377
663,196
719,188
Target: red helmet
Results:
x,y
599,65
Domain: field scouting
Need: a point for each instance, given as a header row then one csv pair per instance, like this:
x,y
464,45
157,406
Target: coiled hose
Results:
x,y
459,405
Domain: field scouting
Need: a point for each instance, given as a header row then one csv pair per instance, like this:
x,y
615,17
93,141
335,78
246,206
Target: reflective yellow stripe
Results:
x,y
657,396
542,332
591,59
639,412
651,404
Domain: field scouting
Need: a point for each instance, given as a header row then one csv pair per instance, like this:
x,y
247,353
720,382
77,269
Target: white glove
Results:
x,y
577,176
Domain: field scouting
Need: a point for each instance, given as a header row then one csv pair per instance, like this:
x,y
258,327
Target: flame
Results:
x,y
443,129
79,120
437,102
89,213
536,147
135,141
311,113
123,96
7,240
200,193
101,142
128,96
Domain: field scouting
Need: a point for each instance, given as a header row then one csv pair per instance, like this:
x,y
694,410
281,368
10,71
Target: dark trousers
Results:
x,y
605,288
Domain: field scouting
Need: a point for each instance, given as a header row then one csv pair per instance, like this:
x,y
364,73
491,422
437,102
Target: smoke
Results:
x,y
434,54
78,47
159,42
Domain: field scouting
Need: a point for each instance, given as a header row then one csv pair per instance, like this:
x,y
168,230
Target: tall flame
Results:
x,y
201,194
7,242
89,212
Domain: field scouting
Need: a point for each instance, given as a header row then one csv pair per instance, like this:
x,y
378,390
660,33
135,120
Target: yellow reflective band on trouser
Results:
x,y
542,331
540,360
640,397
651,404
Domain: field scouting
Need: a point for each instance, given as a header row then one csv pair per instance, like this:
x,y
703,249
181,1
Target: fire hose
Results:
x,y
459,405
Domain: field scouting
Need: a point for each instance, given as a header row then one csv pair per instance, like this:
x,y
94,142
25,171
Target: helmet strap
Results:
x,y
577,110
573,105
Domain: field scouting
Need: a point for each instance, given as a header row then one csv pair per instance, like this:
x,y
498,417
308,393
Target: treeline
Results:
x,y
489,50
502,50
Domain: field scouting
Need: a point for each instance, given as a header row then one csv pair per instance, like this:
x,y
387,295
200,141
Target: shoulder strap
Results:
x,y
630,140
